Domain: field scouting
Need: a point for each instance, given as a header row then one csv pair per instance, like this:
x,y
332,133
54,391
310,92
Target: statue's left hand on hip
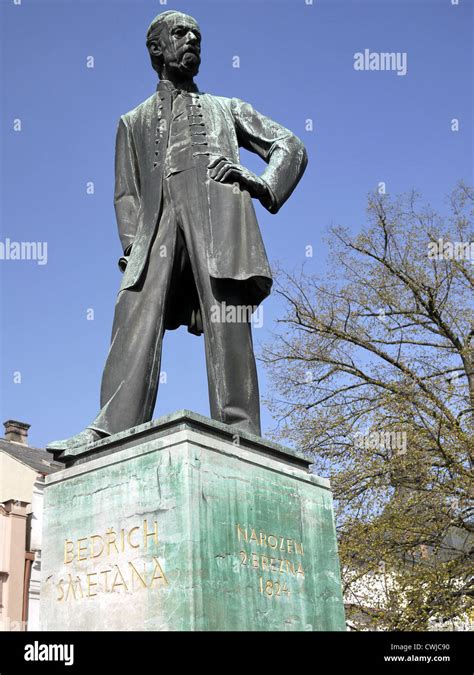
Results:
x,y
224,170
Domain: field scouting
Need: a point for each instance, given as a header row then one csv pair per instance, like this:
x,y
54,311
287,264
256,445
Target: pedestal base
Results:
x,y
182,524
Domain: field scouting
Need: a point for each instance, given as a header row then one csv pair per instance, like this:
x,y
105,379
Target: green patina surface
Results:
x,y
242,545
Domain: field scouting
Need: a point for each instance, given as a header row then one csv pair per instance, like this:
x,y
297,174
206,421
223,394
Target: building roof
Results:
x,y
39,460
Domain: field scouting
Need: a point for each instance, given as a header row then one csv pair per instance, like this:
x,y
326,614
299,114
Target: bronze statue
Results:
x,y
189,234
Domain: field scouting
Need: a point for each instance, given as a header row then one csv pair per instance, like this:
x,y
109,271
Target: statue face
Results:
x,y
179,44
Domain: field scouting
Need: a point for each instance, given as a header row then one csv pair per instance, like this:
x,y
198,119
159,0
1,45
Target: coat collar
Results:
x,y
166,86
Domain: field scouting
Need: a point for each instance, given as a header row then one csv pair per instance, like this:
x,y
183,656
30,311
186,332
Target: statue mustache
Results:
x,y
191,50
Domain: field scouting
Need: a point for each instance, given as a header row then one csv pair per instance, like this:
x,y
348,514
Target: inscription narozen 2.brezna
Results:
x,y
282,565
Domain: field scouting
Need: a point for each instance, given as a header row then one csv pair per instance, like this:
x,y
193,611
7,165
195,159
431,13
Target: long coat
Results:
x,y
234,244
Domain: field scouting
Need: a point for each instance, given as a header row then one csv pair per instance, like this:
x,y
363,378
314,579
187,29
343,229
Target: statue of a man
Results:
x,y
190,238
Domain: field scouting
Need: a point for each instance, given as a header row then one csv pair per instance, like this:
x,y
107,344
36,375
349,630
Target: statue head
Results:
x,y
173,41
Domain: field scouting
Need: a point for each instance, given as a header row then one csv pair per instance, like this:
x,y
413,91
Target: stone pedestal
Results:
x,y
179,524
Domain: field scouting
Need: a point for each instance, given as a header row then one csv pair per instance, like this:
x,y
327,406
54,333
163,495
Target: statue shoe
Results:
x,y
86,437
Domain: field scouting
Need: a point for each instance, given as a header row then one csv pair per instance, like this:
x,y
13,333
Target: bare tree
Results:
x,y
374,366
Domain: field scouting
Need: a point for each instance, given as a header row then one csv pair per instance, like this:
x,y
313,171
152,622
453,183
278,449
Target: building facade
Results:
x,y
22,472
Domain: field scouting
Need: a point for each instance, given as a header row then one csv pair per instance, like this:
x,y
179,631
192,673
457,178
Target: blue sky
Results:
x,y
296,63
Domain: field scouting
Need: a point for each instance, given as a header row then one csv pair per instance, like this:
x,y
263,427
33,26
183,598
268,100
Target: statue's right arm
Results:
x,y
127,189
